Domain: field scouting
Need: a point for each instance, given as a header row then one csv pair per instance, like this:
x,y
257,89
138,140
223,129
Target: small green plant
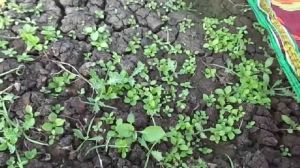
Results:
x,y
54,126
108,118
189,66
24,57
59,83
189,131
87,136
174,49
293,126
167,69
222,40
152,4
50,34
285,151
5,21
209,99
174,5
100,14
134,45
28,35
21,161
29,118
152,100
133,95
100,37
151,50
250,124
185,24
210,73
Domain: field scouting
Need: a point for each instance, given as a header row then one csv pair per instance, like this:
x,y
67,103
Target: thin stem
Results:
x,y
99,158
13,70
148,155
60,64
153,120
34,141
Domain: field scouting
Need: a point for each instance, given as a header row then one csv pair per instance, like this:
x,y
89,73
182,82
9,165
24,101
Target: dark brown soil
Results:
x,y
258,147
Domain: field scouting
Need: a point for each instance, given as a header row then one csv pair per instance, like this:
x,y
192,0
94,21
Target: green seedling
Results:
x,y
133,95
210,73
24,57
175,49
174,5
54,126
185,24
100,37
285,151
209,99
59,83
21,161
293,126
50,34
134,45
250,124
222,40
5,21
28,35
100,14
151,50
87,137
152,100
152,4
189,66
108,118
29,118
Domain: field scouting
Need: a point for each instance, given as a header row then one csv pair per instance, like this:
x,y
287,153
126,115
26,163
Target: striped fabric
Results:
x,y
281,18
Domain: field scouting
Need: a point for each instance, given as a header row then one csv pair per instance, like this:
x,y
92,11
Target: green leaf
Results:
x,y
59,130
153,134
31,154
231,135
287,120
52,117
47,126
157,155
78,134
94,36
125,130
228,90
3,146
143,143
269,62
28,109
131,118
59,122
29,123
96,138
88,30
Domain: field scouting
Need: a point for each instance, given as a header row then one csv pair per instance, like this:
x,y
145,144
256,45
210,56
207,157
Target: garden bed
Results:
x,y
131,83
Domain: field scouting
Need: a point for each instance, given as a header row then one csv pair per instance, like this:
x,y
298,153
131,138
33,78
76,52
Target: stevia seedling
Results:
x,y
28,35
59,82
86,137
100,37
293,126
134,45
185,24
151,50
54,125
285,151
210,73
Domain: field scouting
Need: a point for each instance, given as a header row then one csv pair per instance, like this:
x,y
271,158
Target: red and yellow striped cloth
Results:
x,y
288,13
